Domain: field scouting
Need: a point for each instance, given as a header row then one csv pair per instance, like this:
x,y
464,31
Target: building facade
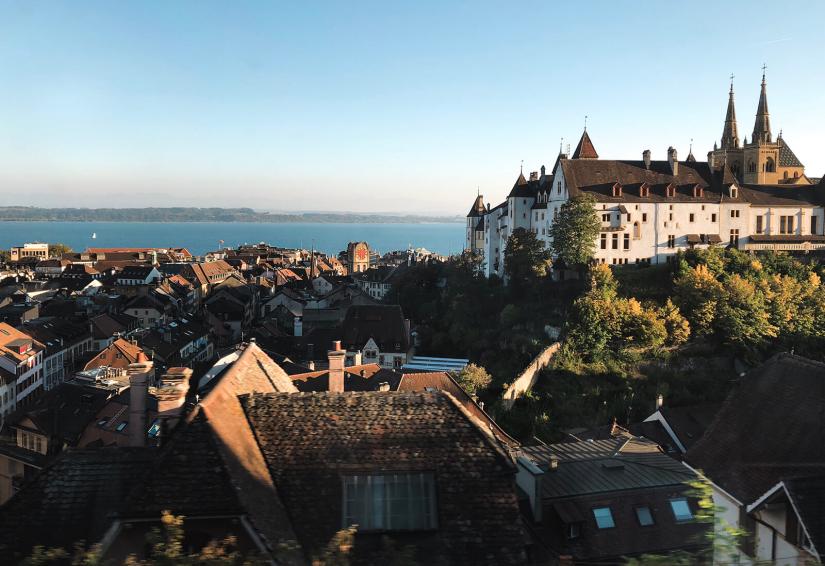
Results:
x,y
35,250
754,197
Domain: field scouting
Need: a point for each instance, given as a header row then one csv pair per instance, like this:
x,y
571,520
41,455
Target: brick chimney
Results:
x,y
337,356
140,374
646,158
673,160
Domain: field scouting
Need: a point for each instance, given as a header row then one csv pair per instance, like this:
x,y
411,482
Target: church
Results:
x,y
752,196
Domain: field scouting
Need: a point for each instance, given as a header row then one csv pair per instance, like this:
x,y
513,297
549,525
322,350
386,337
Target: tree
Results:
x,y
742,316
473,378
575,230
525,258
58,249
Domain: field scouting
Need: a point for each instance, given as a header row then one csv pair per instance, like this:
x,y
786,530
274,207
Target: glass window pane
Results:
x,y
604,518
681,509
644,516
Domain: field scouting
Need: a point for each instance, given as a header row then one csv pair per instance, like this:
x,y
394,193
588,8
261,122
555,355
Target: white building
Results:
x,y
651,209
21,368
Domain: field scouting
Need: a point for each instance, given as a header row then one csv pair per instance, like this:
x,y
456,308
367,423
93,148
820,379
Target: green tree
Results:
x,y
473,378
58,249
575,230
742,316
698,294
525,258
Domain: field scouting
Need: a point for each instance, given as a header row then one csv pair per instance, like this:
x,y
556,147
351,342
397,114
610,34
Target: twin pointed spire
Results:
x,y
762,126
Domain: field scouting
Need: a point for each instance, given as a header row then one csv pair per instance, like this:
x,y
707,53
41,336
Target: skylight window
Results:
x,y
681,510
644,516
121,426
604,517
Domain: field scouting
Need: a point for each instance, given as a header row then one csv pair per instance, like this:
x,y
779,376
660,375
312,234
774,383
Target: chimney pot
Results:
x,y
336,357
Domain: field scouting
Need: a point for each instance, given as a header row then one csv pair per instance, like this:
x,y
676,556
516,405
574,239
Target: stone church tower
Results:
x,y
763,161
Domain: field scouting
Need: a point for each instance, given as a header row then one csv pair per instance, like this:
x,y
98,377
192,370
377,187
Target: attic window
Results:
x,y
390,502
644,190
670,191
698,191
734,192
617,189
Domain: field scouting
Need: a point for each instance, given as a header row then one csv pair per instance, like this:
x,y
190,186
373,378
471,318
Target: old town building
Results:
x,y
753,196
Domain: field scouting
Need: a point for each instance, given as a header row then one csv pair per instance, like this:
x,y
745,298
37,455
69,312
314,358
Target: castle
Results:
x,y
753,196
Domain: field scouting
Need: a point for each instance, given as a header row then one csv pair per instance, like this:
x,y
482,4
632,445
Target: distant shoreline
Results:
x,y
206,215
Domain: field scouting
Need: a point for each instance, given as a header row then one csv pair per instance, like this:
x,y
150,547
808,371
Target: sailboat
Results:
x,y
94,235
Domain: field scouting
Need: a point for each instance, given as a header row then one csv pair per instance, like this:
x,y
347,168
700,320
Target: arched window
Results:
x,y
785,175
796,174
751,167
770,165
637,230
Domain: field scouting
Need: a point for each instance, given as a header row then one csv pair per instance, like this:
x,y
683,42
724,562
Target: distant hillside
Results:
x,y
181,214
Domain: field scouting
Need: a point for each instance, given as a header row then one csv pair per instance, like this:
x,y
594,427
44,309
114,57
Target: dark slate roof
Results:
x,y
135,272
71,500
373,377
64,412
585,149
523,188
310,439
787,158
770,427
604,466
808,498
598,176
383,323
478,207
690,423
791,195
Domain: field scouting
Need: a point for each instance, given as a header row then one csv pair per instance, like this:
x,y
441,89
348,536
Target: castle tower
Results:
x,y
475,225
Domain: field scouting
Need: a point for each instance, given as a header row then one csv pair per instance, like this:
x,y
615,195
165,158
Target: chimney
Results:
x,y
673,160
646,158
336,358
660,400
711,160
140,374
356,358
171,395
311,365
297,326
534,175
542,170
383,386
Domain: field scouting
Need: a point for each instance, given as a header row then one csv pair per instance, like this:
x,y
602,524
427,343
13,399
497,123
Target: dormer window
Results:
x,y
734,192
617,189
698,191
644,190
670,191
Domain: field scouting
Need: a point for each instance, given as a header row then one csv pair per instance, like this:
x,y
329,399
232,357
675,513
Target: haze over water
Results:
x,y
201,237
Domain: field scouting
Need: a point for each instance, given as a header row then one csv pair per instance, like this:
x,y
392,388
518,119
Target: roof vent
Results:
x,y
613,465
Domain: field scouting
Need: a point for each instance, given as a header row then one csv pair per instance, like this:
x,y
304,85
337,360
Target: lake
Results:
x,y
201,237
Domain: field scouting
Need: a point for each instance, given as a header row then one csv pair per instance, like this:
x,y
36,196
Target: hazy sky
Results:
x,y
377,106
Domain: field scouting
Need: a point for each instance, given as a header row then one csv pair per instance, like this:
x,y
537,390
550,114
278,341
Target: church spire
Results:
x,y
730,134
762,126
585,149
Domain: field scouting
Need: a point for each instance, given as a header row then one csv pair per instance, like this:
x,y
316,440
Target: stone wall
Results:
x,y
527,378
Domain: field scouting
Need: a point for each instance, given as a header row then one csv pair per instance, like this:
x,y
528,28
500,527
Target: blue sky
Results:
x,y
377,106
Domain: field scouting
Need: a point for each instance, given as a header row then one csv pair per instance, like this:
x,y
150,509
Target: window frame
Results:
x,y
596,519
384,516
684,500
637,508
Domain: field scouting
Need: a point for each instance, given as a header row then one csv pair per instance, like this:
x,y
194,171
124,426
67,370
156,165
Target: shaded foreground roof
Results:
x,y
603,466
771,427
